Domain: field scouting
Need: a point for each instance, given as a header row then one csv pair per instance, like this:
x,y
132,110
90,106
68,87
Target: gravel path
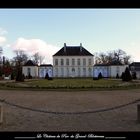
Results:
x,y
17,119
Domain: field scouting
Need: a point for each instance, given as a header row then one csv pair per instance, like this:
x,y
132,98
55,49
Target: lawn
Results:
x,y
75,83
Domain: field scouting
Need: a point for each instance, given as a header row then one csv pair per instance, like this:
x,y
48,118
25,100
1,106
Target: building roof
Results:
x,y
109,64
101,65
30,63
136,66
46,65
73,51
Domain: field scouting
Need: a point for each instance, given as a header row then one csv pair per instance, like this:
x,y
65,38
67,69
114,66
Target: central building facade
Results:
x,y
73,61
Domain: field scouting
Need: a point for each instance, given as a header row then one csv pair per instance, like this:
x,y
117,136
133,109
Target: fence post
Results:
x,y
138,113
1,114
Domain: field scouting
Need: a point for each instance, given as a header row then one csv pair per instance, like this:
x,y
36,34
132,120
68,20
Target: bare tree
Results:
x,y
119,55
113,57
20,58
96,58
102,58
1,52
37,58
109,57
127,59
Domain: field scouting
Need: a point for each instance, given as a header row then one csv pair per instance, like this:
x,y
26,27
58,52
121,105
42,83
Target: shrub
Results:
x,y
12,76
100,76
117,76
134,75
23,77
20,77
95,78
126,76
1,73
46,76
29,76
122,75
50,78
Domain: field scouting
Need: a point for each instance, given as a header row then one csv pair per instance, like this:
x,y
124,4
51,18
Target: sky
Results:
x,y
46,30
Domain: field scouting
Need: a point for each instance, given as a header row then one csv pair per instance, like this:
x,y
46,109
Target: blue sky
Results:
x,y
46,30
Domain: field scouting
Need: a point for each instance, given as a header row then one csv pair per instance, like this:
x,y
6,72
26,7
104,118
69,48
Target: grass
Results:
x,y
71,84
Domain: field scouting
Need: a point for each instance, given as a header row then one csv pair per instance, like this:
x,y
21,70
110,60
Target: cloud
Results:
x,y
2,40
31,46
3,31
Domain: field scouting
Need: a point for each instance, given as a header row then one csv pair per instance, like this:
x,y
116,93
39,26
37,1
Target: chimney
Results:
x,y
64,47
80,47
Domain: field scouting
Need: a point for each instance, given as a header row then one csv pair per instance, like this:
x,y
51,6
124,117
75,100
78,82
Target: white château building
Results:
x,y
73,61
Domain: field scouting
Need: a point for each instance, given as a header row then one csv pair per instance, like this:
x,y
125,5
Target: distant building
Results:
x,y
135,67
73,61
45,69
117,69
108,70
103,68
30,68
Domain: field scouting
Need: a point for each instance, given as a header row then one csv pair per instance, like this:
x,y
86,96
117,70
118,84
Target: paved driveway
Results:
x,y
21,119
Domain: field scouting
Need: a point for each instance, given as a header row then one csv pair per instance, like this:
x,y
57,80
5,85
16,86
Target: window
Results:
x,y
84,62
62,62
56,72
78,62
67,72
73,72
89,72
62,72
73,61
84,71
29,71
89,61
79,72
67,61
56,62
73,69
